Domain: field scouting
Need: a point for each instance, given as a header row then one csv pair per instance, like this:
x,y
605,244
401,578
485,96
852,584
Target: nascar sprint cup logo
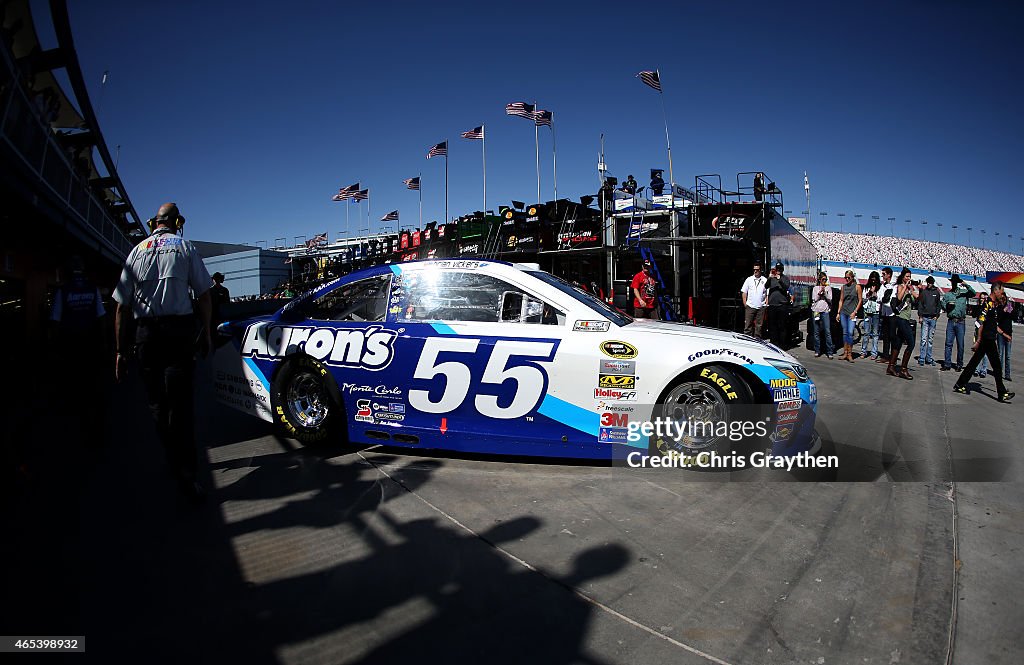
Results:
x,y
370,348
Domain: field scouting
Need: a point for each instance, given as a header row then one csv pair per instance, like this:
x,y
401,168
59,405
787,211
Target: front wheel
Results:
x,y
704,413
306,406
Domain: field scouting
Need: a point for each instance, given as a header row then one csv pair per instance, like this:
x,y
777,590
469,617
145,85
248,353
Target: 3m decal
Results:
x,y
620,350
720,382
616,381
619,367
609,419
531,379
591,326
782,383
789,405
367,348
784,394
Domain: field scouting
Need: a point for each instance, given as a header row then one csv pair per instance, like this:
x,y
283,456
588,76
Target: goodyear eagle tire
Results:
x,y
708,394
306,403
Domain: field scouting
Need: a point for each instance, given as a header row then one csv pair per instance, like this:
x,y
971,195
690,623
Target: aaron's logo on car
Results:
x,y
368,348
620,350
617,381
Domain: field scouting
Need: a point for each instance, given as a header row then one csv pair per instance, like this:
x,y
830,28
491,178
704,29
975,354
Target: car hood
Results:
x,y
713,335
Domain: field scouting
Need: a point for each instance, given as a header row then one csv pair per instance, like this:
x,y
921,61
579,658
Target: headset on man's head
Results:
x,y
174,220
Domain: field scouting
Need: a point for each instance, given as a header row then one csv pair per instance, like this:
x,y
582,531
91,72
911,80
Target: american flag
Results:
x,y
390,217
412,183
346,192
317,240
441,149
521,109
652,79
475,134
361,195
543,118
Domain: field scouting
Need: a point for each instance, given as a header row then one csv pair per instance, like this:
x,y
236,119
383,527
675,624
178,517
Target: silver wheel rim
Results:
x,y
693,402
307,402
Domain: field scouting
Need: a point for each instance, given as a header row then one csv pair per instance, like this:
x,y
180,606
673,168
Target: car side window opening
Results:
x,y
365,300
470,296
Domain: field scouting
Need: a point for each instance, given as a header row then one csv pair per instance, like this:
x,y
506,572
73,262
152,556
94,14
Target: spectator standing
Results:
x,y
821,310
928,307
886,318
645,293
871,307
1005,336
161,276
657,182
985,344
753,294
219,296
850,299
954,302
759,189
903,306
779,298
630,186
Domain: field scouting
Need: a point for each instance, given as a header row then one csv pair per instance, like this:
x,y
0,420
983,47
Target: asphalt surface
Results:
x,y
907,550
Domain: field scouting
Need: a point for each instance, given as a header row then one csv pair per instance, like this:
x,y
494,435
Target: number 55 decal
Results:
x,y
530,379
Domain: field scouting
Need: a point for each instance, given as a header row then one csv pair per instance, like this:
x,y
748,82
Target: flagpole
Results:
x,y
347,202
419,190
668,142
446,182
483,148
554,157
536,146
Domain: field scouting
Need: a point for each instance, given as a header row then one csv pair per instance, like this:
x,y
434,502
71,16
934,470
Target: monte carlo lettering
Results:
x,y
370,348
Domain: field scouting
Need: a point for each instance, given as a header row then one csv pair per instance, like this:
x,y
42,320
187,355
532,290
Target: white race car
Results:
x,y
486,356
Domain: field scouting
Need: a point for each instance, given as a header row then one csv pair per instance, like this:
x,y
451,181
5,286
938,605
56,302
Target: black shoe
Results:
x,y
944,368
960,389
1007,396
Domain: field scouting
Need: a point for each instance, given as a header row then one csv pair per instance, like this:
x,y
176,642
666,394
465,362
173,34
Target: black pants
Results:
x,y
166,349
887,331
986,347
778,320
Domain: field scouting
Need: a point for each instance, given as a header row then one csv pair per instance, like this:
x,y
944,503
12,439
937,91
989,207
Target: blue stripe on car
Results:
x,y
259,374
443,329
570,414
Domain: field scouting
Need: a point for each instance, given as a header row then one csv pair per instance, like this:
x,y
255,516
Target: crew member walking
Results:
x,y
161,276
985,344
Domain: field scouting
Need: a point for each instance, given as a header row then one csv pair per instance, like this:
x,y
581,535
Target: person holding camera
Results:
x,y
903,305
850,299
871,307
161,276
954,302
821,308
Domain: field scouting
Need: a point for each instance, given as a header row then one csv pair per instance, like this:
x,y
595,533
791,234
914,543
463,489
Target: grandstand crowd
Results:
x,y
924,254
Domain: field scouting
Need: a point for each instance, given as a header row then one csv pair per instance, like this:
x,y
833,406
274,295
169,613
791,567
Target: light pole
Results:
x,y
924,230
908,228
823,214
983,239
858,216
892,226
874,220
840,215
954,234
939,231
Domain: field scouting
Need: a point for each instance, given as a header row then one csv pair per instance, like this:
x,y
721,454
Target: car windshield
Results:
x,y
594,303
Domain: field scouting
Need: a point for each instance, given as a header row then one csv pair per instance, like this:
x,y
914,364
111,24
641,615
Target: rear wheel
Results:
x,y
699,411
305,401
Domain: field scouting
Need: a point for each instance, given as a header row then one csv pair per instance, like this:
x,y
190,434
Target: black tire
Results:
x,y
707,393
306,403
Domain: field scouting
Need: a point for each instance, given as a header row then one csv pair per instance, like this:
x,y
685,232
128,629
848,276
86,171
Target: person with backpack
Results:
x,y
928,307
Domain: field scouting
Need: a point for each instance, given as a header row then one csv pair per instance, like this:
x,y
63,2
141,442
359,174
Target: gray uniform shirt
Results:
x,y
161,276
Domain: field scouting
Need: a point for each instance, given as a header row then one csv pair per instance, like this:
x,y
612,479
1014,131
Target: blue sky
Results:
x,y
252,119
